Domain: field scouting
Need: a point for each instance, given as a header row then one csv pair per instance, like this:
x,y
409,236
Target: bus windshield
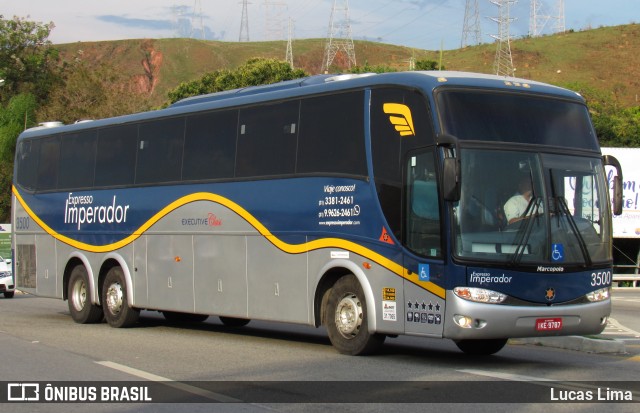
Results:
x,y
530,208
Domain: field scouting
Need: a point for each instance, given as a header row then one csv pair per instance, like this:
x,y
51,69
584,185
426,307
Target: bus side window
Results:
x,y
27,160
48,163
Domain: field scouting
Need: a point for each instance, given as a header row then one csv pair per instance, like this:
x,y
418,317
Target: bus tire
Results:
x,y
483,347
114,300
233,321
79,298
8,294
177,317
346,319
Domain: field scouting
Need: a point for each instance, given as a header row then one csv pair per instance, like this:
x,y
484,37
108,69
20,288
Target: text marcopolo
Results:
x,y
79,210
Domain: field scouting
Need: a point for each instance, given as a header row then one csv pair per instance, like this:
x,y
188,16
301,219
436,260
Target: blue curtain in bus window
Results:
x,y
48,164
332,135
160,144
116,157
267,140
77,160
210,145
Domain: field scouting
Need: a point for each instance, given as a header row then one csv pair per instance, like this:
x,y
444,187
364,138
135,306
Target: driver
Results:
x,y
516,206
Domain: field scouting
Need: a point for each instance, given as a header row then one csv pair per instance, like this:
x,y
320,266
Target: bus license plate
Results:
x,y
548,324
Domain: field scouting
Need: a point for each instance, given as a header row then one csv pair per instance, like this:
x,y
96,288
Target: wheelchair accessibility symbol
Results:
x,y
423,272
557,252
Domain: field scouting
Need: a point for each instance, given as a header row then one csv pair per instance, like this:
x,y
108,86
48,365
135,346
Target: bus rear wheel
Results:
x,y
114,300
484,347
79,298
346,319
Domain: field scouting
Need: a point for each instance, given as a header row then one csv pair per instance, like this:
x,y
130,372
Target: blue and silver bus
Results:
x,y
374,205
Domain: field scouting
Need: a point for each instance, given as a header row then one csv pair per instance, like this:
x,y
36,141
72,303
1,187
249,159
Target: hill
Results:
x,y
606,59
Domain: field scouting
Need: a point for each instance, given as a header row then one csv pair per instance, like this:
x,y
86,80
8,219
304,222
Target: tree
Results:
x,y
28,68
27,60
253,73
428,65
614,126
367,68
18,115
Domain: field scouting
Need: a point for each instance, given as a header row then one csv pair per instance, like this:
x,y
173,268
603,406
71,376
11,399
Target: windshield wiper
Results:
x,y
564,209
525,233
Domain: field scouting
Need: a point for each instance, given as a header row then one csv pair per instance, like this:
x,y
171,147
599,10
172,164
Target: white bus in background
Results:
x,y
626,227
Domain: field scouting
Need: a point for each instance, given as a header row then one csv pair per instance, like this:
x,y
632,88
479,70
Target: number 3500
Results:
x,y
601,278
22,223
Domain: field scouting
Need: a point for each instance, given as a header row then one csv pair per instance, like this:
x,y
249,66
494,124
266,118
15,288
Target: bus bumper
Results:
x,y
490,321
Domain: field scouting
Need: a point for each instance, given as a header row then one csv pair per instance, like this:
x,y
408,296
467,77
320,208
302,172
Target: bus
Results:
x,y
372,205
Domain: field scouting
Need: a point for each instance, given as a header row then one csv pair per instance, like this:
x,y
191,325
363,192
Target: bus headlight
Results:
x,y
599,295
480,295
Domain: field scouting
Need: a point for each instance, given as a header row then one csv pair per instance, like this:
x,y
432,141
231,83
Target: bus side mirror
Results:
x,y
451,180
617,195
617,183
450,168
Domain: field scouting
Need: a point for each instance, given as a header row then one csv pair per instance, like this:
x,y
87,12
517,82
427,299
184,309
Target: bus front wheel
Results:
x,y
346,319
114,300
484,347
79,298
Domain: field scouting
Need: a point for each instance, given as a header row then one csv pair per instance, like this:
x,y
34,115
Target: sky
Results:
x,y
422,24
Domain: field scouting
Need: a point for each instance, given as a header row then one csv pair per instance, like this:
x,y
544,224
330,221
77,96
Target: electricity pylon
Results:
x,y
339,38
244,23
503,64
471,33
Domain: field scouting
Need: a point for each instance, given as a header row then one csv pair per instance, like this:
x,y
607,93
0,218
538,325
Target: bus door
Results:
x,y
424,279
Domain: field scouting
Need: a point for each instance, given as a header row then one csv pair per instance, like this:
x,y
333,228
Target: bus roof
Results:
x,y
430,78
318,84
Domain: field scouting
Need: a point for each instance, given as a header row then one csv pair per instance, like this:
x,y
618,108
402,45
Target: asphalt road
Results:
x,y
216,365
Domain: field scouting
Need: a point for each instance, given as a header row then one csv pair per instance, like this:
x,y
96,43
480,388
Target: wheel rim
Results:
x,y
349,316
114,298
79,295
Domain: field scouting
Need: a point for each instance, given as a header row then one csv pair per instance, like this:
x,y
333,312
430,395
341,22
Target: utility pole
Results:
x,y
471,33
244,23
339,38
503,64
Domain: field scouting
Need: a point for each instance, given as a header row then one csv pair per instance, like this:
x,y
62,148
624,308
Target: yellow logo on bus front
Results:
x,y
400,117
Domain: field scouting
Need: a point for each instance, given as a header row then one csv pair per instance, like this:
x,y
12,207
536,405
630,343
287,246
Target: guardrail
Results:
x,y
633,278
